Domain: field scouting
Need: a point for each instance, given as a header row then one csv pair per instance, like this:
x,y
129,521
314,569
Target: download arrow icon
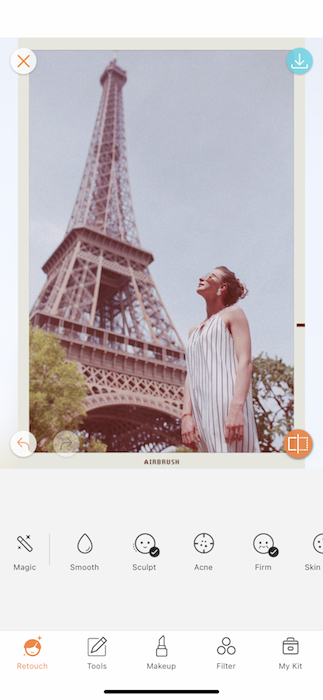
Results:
x,y
299,62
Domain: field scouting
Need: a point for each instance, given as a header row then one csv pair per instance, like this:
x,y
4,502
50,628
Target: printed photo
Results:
x,y
161,251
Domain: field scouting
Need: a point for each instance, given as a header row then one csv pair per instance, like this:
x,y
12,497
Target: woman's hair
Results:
x,y
235,289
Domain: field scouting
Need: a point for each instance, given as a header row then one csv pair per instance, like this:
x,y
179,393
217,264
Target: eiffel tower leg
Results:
x,y
102,300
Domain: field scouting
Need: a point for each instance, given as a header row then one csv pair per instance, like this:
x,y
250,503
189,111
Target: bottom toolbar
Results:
x,y
37,664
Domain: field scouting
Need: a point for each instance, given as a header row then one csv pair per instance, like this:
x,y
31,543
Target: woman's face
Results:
x,y
210,282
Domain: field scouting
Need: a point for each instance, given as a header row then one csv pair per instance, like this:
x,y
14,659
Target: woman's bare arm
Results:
x,y
239,328
190,433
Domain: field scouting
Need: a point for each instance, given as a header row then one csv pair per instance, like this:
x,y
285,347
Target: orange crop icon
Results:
x,y
298,444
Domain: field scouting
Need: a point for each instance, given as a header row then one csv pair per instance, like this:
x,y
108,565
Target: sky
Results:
x,y
210,156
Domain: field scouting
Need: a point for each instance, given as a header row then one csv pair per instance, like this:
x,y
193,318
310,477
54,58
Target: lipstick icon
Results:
x,y
161,649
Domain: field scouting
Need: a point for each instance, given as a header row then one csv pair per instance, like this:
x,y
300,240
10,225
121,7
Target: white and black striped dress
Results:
x,y
212,369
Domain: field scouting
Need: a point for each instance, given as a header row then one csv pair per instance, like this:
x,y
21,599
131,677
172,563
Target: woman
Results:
x,y
217,409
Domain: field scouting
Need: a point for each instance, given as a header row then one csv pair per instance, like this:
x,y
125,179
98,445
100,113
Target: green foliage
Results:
x,y
57,389
273,401
182,449
91,444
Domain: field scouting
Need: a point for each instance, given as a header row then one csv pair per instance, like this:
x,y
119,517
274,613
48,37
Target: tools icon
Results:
x,y
23,542
96,646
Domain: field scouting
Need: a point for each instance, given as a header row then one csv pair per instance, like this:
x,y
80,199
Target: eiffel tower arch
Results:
x,y
101,301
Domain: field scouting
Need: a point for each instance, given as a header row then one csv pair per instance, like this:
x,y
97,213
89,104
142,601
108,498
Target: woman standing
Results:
x,y
217,409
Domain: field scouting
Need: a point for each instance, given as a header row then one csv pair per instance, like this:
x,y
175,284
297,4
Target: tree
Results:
x,y
57,389
90,443
273,401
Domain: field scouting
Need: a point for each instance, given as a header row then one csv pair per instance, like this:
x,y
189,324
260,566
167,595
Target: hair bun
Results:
x,y
235,289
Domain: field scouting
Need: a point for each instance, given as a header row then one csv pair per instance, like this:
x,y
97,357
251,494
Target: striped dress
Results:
x,y
212,369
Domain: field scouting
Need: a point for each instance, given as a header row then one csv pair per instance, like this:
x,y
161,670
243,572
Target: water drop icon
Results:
x,y
84,544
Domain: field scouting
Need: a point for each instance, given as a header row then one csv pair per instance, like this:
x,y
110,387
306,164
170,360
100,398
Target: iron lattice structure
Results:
x,y
101,301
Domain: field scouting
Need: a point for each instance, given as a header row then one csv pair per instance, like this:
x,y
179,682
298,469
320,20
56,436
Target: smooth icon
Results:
x,y
96,646
298,444
203,543
290,646
264,544
23,61
226,647
23,444
66,443
299,61
84,544
161,648
32,647
23,542
318,543
145,544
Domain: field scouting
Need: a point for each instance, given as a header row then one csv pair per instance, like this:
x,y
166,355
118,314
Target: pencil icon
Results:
x,y
98,645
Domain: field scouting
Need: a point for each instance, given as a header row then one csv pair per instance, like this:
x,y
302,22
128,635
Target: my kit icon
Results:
x,y
290,646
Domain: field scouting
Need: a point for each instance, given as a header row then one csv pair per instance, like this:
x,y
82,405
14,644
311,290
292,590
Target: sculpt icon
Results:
x,y
204,543
318,543
145,544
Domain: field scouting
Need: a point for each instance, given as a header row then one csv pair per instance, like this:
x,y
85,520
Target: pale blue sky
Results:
x,y
210,154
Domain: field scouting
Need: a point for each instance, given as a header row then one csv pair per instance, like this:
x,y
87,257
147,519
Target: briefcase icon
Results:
x,y
290,646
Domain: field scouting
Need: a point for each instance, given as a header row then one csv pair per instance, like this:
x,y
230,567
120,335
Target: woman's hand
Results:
x,y
233,428
190,433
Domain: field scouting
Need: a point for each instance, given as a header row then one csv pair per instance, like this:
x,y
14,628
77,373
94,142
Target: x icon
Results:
x,y
24,60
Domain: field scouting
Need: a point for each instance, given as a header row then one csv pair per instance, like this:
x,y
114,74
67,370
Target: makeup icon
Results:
x,y
96,646
84,544
161,648
23,543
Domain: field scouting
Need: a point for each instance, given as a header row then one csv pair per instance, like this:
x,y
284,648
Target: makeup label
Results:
x,y
157,667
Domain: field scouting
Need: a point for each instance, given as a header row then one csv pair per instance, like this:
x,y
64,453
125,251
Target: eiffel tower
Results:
x,y
102,303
